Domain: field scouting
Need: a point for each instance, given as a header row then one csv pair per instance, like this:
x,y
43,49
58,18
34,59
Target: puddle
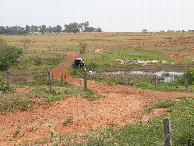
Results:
x,y
168,76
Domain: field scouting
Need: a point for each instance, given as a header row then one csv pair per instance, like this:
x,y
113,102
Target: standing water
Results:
x,y
168,76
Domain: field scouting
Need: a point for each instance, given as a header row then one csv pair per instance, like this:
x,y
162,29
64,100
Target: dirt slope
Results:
x,y
122,105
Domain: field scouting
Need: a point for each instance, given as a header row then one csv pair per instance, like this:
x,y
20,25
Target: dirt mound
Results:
x,y
121,106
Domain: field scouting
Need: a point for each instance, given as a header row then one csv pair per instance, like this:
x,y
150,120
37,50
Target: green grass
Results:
x,y
22,101
142,81
181,118
164,104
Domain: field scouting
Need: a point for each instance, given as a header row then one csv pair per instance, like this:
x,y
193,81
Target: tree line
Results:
x,y
70,28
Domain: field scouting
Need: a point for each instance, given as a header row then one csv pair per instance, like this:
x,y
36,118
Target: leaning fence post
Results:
x,y
85,80
50,86
167,132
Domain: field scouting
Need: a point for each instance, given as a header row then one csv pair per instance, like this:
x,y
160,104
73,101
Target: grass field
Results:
x,y
104,48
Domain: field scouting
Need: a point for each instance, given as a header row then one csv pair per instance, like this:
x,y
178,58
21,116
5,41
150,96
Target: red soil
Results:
x,y
177,56
24,90
121,106
176,44
185,39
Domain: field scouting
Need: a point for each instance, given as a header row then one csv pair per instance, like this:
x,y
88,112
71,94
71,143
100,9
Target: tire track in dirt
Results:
x,y
121,106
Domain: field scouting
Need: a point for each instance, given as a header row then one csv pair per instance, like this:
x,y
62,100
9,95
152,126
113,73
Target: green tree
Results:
x,y
89,29
72,27
58,29
86,24
27,29
43,29
98,29
8,56
145,30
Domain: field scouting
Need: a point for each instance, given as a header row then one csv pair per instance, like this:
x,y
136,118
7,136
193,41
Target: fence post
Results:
x,y
156,81
74,82
52,75
85,80
65,77
61,79
50,86
186,82
8,76
167,132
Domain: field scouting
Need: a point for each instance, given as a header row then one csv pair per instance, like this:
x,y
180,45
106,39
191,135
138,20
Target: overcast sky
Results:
x,y
110,15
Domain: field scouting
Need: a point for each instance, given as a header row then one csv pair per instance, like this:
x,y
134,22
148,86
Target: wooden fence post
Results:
x,y
8,77
61,79
167,132
85,81
52,75
74,82
186,82
156,81
50,86
65,77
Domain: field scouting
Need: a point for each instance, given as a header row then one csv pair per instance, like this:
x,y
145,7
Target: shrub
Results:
x,y
82,47
190,76
2,84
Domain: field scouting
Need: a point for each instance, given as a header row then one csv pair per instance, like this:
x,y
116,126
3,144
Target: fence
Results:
x,y
141,81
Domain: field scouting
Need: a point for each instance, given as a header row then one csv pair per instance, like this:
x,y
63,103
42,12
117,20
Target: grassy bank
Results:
x,y
40,94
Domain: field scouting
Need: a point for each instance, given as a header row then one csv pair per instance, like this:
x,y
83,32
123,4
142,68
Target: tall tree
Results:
x,y
86,24
72,27
43,29
27,29
58,29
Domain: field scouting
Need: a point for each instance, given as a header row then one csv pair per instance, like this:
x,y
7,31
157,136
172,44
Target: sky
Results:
x,y
110,15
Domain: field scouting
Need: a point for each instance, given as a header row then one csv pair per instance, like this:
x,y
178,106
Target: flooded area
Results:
x,y
166,76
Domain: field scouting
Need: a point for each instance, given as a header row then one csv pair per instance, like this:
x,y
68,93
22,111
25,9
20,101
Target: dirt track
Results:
x,y
122,105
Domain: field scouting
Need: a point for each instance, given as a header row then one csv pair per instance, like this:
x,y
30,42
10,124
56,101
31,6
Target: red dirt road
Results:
x,y
121,106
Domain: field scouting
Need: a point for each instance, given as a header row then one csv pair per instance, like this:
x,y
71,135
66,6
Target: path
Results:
x,y
121,106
